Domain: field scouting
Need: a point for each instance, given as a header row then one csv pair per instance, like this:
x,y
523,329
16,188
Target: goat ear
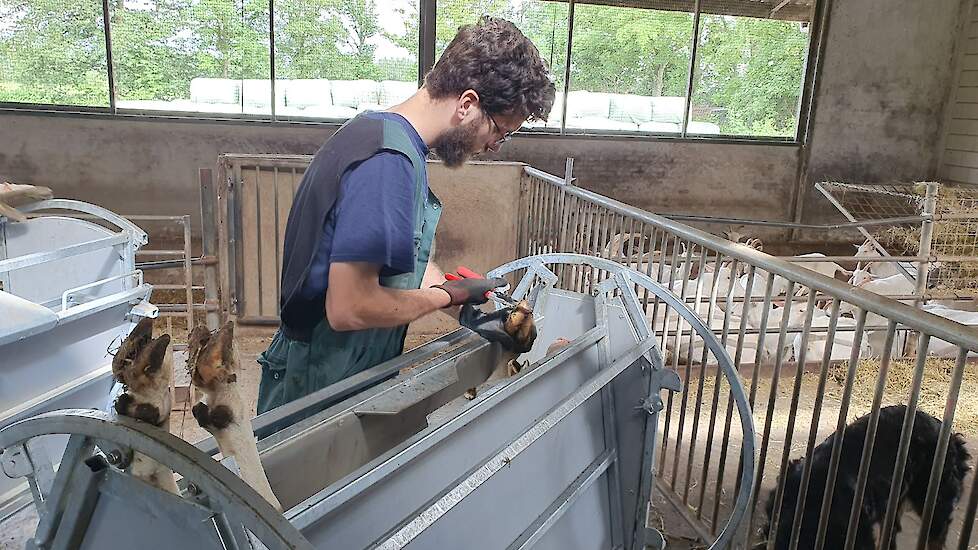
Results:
x,y
225,340
143,329
196,341
157,354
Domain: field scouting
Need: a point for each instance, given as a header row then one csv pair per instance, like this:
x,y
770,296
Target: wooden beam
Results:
x,y
745,8
777,8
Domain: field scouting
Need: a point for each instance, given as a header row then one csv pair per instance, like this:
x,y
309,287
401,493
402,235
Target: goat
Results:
x,y
144,366
214,366
13,195
817,341
827,268
941,348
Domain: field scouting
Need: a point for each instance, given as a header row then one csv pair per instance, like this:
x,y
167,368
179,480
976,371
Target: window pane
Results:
x,y
335,59
544,23
191,55
749,74
53,51
629,69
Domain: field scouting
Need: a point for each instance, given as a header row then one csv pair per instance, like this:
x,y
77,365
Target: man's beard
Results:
x,y
457,145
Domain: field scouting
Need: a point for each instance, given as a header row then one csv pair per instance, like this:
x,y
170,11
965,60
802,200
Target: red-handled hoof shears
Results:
x,y
495,295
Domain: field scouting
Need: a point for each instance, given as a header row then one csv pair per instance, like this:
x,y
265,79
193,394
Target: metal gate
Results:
x,y
747,298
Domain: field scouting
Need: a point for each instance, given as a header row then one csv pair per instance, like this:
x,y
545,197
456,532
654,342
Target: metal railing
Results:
x,y
781,323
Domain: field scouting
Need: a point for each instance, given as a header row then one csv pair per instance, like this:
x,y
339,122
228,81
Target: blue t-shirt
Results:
x,y
373,218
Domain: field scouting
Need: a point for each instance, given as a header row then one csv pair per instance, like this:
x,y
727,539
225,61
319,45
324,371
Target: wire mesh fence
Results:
x,y
952,255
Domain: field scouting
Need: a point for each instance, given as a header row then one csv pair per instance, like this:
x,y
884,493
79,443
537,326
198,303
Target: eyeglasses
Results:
x,y
506,136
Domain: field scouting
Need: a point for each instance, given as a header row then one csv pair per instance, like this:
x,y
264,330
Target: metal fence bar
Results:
x,y
759,354
728,418
675,367
837,442
188,272
940,454
869,442
662,345
792,413
806,475
702,381
969,513
896,485
714,405
772,401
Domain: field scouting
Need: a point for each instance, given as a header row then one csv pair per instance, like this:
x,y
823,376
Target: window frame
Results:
x,y
426,58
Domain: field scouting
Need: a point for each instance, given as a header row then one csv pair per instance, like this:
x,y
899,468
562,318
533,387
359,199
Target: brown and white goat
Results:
x,y
144,366
214,367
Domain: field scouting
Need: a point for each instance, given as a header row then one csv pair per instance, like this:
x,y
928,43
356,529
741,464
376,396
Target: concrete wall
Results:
x,y
959,162
150,166
882,93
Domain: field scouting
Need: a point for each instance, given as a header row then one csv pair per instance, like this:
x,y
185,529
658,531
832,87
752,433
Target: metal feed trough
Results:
x,y
68,290
559,456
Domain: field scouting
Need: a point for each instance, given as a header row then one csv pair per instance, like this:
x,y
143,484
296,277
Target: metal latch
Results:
x,y
661,379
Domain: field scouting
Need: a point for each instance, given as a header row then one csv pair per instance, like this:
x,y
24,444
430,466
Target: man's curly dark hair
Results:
x,y
496,60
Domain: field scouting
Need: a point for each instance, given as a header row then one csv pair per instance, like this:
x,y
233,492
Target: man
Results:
x,y
357,245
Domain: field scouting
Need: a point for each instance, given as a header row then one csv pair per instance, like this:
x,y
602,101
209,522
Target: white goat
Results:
x,y
941,348
894,285
829,269
817,341
866,252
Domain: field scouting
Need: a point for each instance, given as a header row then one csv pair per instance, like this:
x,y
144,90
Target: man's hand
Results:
x,y
470,290
12,194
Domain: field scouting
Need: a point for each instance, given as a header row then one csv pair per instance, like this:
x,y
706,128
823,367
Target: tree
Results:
x,y
631,51
752,69
53,52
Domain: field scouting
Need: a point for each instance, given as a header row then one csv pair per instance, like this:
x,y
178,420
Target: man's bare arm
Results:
x,y
355,300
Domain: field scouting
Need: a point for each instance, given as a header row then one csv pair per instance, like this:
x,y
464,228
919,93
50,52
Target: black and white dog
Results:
x,y
923,445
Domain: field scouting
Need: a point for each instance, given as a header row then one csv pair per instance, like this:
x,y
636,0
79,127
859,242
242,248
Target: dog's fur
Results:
x,y
923,444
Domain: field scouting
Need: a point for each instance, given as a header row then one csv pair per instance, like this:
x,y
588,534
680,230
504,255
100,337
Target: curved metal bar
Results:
x,y
235,497
945,329
710,341
87,208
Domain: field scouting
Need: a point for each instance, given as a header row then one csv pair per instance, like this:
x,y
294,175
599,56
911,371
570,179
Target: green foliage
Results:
x,y
54,51
631,51
747,80
752,69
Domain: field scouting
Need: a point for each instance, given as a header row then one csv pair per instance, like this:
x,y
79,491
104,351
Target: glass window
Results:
x,y
53,52
749,74
544,23
191,55
629,69
336,59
